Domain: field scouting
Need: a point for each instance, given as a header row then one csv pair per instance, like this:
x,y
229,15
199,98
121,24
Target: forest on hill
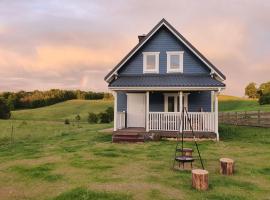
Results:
x,y
36,99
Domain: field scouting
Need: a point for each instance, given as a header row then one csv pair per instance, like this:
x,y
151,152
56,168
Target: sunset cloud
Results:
x,y
73,44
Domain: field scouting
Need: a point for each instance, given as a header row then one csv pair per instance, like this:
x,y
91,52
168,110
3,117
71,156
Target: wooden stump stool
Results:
x,y
200,179
226,166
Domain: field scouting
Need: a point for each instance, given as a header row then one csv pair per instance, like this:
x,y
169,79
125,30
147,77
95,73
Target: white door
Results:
x,y
135,110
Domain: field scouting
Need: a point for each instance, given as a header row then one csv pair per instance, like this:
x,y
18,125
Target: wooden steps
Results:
x,y
127,137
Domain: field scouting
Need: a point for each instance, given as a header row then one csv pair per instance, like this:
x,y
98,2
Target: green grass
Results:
x,y
42,172
44,159
64,110
231,103
52,161
82,193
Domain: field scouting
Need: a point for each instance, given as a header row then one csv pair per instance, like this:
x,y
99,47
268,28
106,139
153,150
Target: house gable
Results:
x,y
162,41
163,23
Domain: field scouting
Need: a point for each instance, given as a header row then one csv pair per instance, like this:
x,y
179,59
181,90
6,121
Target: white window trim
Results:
x,y
156,70
166,96
181,60
175,95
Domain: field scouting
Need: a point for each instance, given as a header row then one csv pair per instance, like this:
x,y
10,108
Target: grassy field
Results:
x,y
231,103
44,159
53,161
62,111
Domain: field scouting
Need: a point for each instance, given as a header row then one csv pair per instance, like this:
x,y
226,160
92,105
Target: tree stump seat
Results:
x,y
200,179
226,166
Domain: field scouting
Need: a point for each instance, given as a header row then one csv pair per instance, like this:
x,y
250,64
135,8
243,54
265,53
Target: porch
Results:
x,y
149,112
142,133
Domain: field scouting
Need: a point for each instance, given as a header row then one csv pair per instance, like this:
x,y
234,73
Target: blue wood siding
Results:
x,y
163,41
121,101
198,100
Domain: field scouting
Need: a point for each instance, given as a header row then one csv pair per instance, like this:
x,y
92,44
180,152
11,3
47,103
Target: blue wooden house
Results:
x,y
158,79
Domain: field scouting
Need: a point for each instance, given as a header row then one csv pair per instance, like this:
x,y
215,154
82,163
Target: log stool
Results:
x,y
200,179
226,166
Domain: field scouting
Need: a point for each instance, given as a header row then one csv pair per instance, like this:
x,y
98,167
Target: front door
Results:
x,y
135,109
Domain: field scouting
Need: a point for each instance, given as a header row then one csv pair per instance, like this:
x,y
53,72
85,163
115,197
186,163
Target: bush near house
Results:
x,y
92,118
102,117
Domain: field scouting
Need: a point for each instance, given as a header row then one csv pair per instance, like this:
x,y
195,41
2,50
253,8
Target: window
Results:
x,y
150,62
175,61
171,102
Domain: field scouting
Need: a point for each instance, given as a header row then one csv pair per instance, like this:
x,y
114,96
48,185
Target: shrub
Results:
x,y
264,99
92,118
110,113
104,117
107,116
4,109
78,118
67,121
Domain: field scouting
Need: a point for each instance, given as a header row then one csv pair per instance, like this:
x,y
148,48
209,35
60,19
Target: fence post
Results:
x,y
259,117
222,117
236,118
245,117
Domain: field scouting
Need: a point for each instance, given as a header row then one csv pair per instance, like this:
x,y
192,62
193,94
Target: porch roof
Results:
x,y
166,80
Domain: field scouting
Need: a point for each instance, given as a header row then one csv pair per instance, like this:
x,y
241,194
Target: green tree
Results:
x,y
4,109
264,88
264,99
251,90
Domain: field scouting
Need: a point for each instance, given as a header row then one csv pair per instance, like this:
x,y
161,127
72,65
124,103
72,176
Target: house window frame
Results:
x,y
156,69
181,61
176,102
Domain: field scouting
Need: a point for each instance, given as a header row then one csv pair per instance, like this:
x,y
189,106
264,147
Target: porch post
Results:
x,y
216,115
147,111
181,109
115,111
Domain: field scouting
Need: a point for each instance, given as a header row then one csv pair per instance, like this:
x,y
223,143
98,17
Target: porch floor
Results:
x,y
167,134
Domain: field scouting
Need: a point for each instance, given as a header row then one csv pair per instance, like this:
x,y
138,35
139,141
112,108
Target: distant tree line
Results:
x,y
262,92
36,99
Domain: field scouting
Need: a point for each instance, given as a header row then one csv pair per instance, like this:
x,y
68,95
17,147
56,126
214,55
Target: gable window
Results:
x,y
175,61
150,62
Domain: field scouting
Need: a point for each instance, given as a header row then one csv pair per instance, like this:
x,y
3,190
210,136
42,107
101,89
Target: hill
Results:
x,y
65,110
232,103
69,109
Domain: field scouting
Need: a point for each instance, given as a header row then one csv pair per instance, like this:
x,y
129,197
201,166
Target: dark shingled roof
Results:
x,y
168,80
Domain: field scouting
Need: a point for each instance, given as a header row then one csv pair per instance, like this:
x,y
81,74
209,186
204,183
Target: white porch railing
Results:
x,y
121,120
170,121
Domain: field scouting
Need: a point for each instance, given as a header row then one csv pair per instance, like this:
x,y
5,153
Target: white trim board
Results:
x,y
174,33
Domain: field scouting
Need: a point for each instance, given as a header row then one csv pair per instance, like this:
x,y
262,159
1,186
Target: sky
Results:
x,y
71,44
